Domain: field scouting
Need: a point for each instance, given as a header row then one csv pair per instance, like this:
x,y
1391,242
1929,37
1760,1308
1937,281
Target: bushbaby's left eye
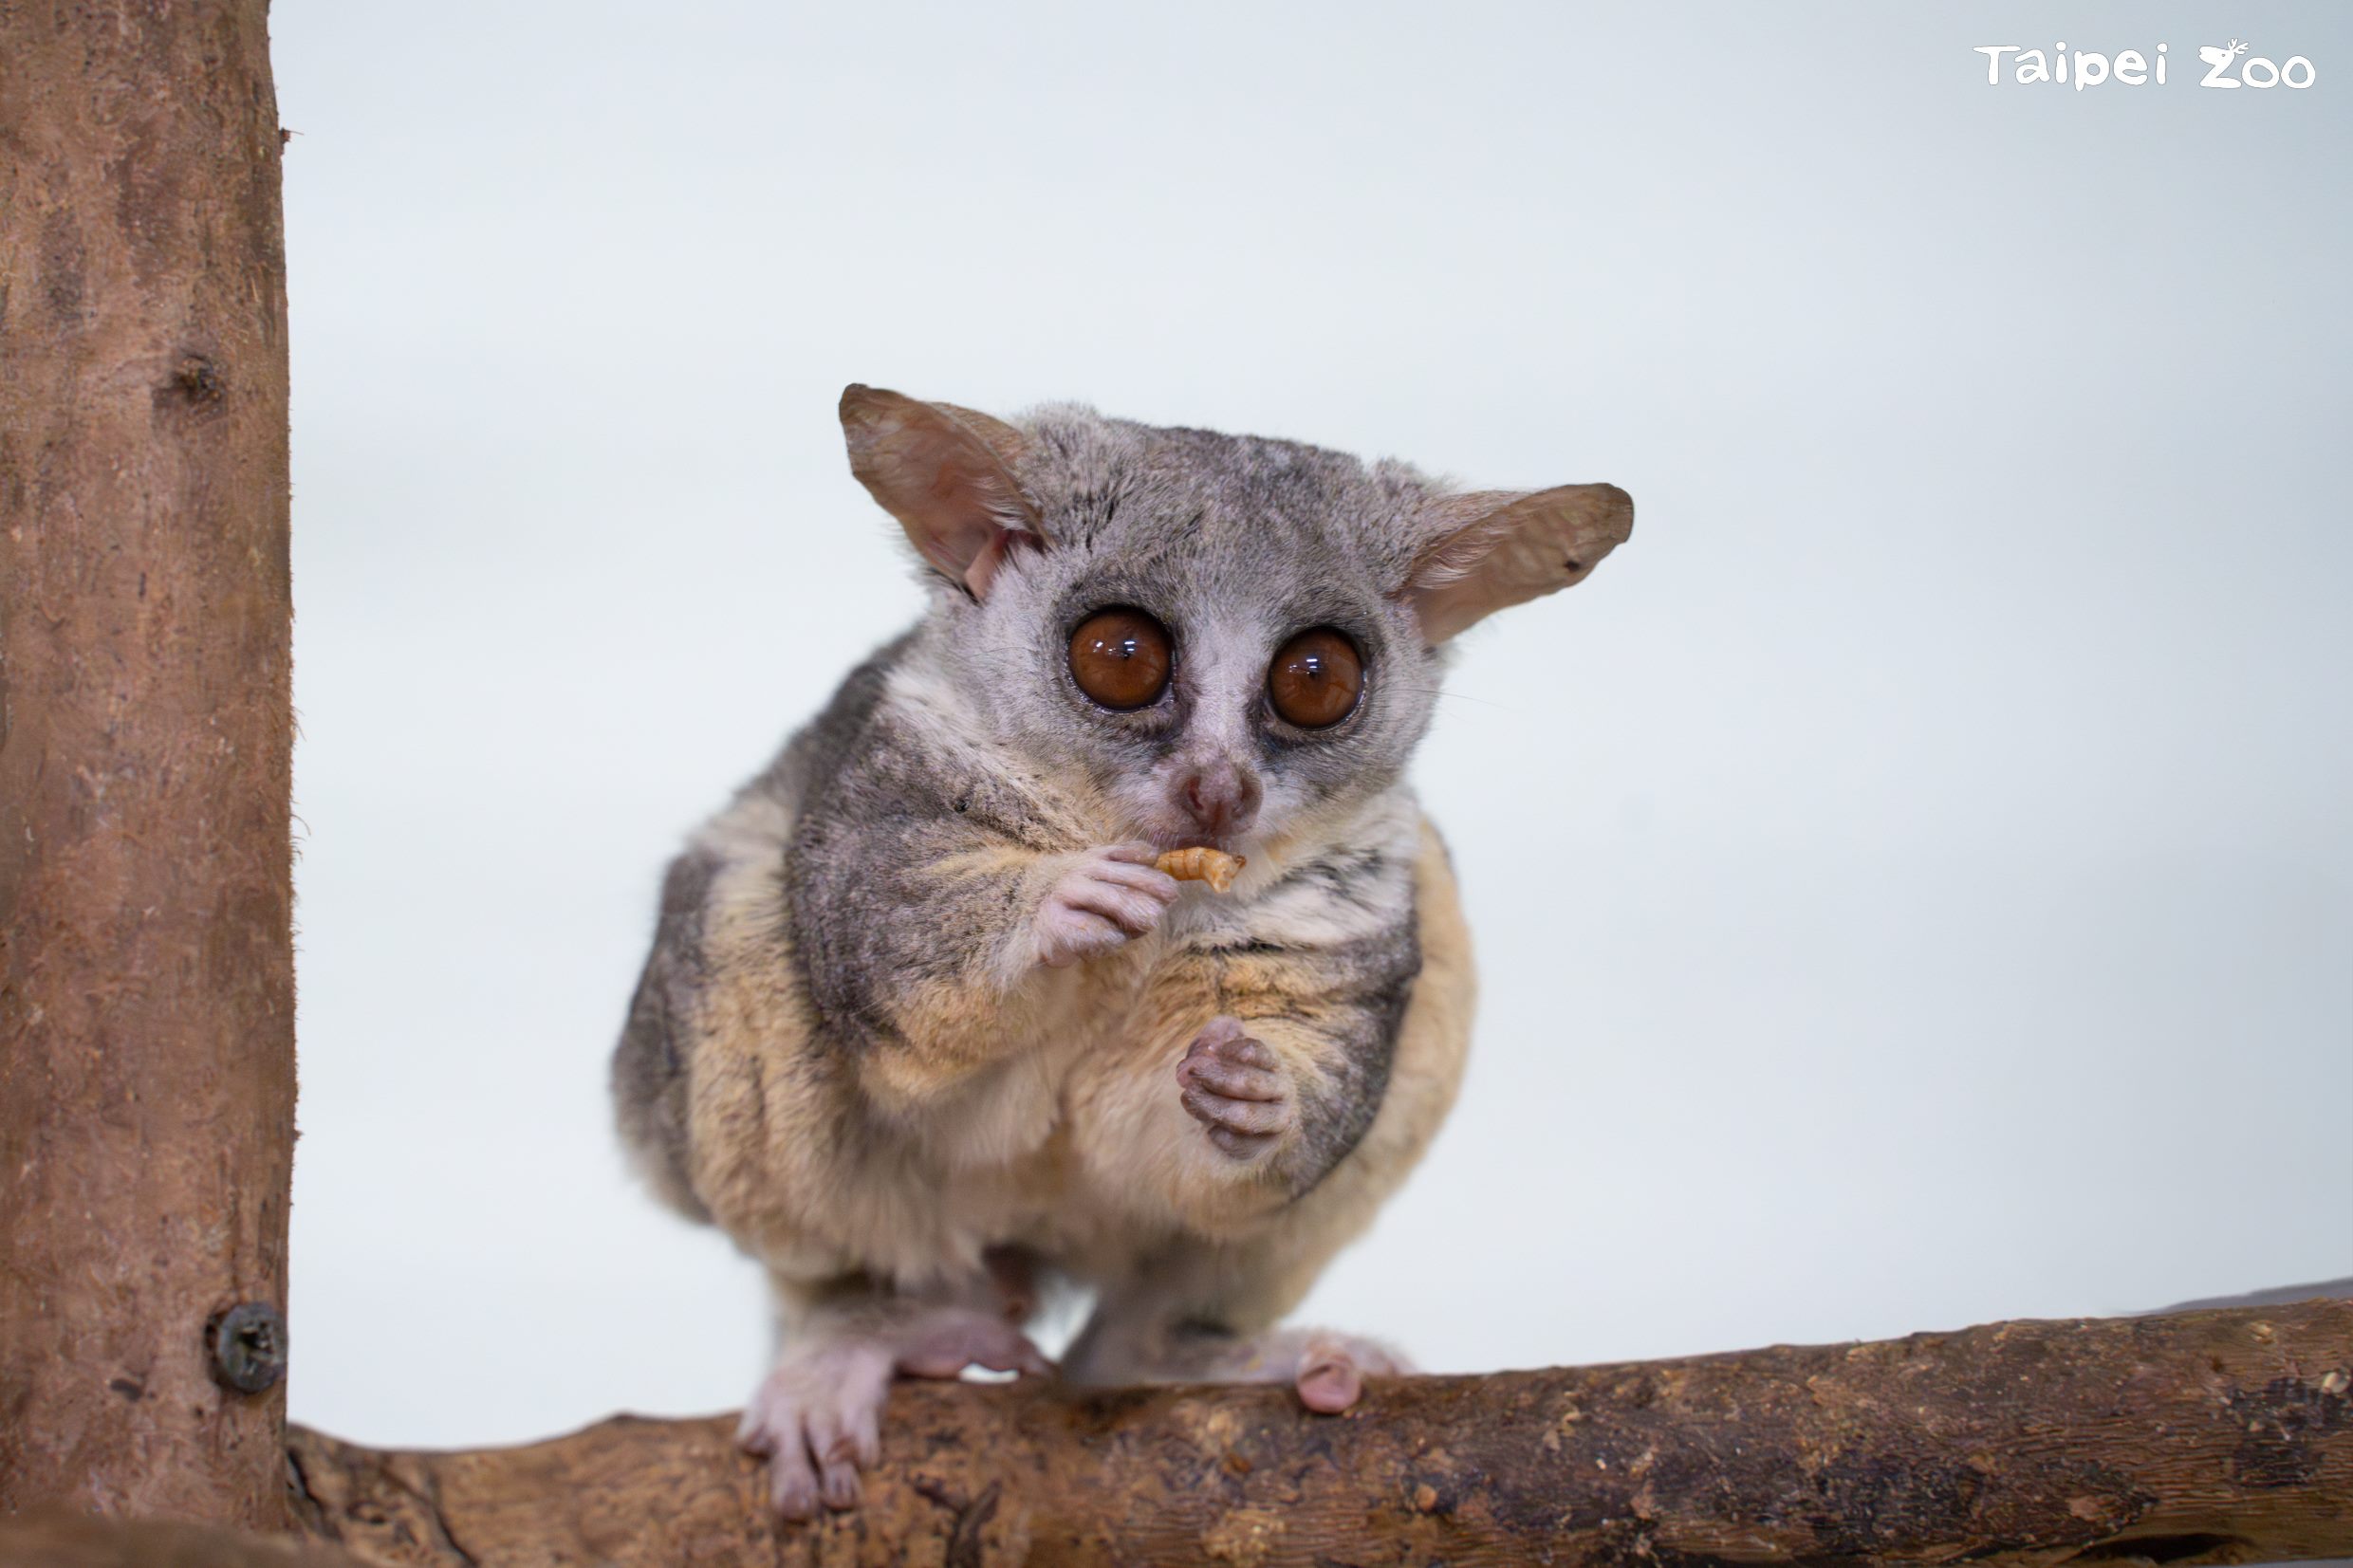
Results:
x,y
1316,678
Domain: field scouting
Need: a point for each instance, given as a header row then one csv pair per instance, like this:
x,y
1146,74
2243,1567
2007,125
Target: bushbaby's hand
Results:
x,y
1100,899
1236,1088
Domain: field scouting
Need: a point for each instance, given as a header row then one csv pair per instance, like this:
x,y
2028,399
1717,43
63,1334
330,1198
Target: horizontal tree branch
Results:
x,y
55,1537
2221,1436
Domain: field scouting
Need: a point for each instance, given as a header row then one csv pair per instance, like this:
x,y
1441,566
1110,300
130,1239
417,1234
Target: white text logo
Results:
x,y
2228,66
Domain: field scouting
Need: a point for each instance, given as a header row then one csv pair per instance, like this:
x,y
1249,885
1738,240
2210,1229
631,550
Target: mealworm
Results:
x,y
1202,864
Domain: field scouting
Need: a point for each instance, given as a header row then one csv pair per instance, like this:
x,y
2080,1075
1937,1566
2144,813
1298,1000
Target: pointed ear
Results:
x,y
1497,548
942,472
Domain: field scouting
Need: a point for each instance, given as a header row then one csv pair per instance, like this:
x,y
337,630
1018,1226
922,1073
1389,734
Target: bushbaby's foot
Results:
x,y
816,1418
1327,1369
1331,1368
1103,898
1236,1089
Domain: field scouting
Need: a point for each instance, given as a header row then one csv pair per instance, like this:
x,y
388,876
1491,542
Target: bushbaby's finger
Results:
x,y
1070,935
1159,884
1241,1145
1229,1078
1247,1051
1256,1118
1132,912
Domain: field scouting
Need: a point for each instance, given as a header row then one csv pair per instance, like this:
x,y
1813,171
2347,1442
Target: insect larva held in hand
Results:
x,y
1202,864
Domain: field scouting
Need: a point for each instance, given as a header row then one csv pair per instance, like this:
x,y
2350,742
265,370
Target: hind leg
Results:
x,y
817,1416
1326,1368
1193,1309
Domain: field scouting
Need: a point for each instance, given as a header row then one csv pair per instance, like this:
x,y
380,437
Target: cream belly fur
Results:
x,y
1076,1148
921,1021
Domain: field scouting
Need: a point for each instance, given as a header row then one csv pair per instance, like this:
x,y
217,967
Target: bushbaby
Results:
x,y
924,1028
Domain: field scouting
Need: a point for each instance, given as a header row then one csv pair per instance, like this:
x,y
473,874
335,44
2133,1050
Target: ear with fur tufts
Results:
x,y
942,472
1497,548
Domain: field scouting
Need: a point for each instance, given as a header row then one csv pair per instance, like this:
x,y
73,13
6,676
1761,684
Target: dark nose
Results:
x,y
1221,799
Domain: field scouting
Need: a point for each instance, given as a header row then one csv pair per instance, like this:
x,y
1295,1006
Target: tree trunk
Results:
x,y
2197,1437
146,963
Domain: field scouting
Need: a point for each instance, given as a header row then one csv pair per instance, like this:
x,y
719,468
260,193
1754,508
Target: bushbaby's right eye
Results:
x,y
1121,658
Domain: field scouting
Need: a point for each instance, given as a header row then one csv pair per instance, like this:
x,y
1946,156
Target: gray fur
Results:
x,y
1234,542
650,1073
847,977
868,916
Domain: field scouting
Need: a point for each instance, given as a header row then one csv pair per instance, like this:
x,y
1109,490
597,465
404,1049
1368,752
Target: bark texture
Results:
x,y
2198,1437
54,1540
147,964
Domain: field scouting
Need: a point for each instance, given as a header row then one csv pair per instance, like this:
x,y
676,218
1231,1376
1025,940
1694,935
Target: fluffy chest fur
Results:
x,y
824,1142
921,992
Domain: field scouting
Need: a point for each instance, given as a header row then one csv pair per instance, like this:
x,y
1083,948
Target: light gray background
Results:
x,y
1914,879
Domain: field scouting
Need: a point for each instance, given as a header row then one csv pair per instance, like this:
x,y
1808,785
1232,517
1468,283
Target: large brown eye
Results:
x,y
1121,658
1316,678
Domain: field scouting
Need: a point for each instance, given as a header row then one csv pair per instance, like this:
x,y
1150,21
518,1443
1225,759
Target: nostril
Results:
x,y
1203,798
1222,799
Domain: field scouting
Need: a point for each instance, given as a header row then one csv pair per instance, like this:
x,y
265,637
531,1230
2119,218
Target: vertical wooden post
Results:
x,y
147,964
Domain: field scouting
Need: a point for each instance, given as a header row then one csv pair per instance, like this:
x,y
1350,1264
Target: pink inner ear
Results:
x,y
961,506
1512,549
1002,546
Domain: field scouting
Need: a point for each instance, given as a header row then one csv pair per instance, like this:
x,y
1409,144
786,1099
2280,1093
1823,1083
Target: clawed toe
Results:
x,y
817,1419
1330,1386
1332,1369
839,1485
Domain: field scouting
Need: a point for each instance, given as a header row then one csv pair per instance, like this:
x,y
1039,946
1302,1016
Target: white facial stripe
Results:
x,y
1223,666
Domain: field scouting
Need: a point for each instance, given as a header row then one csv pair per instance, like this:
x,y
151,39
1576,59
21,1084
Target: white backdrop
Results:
x,y
1914,878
